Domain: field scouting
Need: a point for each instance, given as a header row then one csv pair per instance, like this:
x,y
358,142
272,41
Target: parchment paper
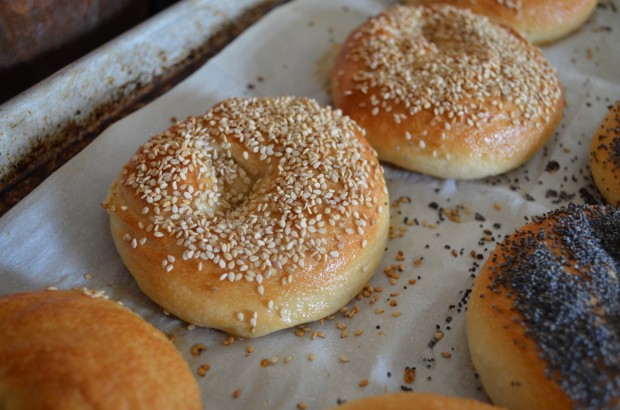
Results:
x,y
58,236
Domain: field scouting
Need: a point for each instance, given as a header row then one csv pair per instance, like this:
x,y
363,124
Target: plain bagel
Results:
x,y
404,401
605,156
76,350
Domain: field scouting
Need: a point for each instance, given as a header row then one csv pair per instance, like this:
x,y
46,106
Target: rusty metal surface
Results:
x,y
32,28
38,38
47,125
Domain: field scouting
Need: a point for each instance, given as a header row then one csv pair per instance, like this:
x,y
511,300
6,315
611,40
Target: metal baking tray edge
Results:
x,y
45,126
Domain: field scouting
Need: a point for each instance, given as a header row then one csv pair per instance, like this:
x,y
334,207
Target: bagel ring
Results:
x,y
542,320
605,156
539,21
445,92
76,350
262,214
427,401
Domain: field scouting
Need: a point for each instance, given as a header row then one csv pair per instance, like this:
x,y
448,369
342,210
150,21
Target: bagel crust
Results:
x,y
68,350
447,93
605,156
542,320
539,21
262,214
427,401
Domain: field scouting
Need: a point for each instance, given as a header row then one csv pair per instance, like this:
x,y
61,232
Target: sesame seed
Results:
x,y
203,369
198,349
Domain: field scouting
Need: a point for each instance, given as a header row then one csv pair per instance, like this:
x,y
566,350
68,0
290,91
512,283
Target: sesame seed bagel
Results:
x,y
70,350
259,215
539,21
445,92
605,156
427,401
542,320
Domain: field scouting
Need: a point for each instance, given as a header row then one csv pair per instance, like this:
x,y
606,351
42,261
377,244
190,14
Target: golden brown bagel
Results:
x,y
260,215
67,350
445,92
539,21
605,156
542,320
426,401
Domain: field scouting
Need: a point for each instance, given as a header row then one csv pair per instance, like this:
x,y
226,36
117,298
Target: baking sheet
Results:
x,y
94,86
441,229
